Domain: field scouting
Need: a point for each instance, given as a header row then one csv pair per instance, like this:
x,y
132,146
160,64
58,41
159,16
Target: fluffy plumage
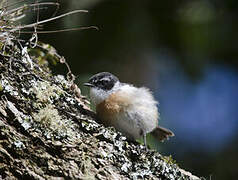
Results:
x,y
131,110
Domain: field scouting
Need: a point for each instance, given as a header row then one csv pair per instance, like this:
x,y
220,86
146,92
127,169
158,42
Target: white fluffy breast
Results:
x,y
139,114
143,108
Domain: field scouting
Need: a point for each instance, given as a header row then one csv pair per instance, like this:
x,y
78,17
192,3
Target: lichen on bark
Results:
x,y
47,131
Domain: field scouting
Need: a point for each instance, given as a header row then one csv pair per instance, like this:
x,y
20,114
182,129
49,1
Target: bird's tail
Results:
x,y
162,133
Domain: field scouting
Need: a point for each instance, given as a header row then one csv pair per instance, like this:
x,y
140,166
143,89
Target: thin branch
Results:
x,y
47,20
61,30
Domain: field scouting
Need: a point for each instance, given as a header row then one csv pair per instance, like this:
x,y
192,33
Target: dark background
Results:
x,y
184,51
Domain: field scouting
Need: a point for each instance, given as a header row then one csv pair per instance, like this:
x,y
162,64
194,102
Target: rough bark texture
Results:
x,y
47,132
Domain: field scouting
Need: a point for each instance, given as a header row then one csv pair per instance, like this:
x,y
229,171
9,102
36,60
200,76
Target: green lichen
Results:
x,y
39,56
86,166
1,88
169,160
49,118
45,54
53,125
45,92
1,44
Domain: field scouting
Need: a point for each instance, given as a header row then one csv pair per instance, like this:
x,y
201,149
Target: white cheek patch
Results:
x,y
99,95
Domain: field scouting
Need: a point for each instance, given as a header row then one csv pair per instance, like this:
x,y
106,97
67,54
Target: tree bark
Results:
x,y
47,131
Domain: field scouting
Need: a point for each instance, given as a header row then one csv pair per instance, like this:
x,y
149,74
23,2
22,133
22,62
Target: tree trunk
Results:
x,y
47,131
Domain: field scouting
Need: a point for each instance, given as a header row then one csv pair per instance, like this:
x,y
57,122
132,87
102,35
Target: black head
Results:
x,y
103,80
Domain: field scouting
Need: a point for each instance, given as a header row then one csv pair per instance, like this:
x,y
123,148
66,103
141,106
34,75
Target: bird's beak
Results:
x,y
88,84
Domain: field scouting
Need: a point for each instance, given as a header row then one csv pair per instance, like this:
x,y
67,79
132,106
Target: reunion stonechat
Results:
x,y
131,110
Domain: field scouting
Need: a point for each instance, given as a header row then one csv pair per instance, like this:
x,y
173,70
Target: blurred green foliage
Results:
x,y
197,32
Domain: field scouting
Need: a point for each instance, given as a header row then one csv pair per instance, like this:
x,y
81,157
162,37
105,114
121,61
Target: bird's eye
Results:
x,y
105,84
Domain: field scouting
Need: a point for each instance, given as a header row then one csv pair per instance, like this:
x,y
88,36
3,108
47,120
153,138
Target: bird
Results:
x,y
131,110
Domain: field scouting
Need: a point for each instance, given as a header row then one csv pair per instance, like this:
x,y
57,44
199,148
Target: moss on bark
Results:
x,y
47,131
